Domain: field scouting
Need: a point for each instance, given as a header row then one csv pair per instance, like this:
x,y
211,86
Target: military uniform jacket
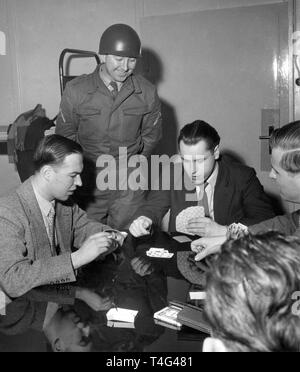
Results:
x,y
90,115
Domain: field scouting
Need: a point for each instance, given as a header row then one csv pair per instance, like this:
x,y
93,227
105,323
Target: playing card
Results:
x,y
167,255
187,214
159,254
182,239
190,271
156,250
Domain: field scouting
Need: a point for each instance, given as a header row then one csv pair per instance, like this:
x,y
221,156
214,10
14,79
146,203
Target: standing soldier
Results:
x,y
109,109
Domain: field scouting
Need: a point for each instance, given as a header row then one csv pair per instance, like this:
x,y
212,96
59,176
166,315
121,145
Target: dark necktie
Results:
x,y
204,202
114,92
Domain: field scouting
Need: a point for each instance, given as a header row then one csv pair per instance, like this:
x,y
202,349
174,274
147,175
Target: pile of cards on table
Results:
x,y
159,253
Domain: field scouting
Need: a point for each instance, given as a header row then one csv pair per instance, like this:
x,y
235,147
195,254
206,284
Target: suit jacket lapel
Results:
x,y
222,195
36,222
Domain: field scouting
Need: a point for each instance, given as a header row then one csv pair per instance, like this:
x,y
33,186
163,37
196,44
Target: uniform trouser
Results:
x,y
117,204
116,208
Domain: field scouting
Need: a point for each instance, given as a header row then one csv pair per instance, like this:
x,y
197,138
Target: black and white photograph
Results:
x,y
149,179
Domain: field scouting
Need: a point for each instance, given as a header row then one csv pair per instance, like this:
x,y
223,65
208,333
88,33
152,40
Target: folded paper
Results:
x,y
121,315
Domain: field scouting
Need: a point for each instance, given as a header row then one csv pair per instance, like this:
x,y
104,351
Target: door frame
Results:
x,y
292,15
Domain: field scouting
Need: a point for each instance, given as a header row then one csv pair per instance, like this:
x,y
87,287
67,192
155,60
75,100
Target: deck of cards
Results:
x,y
159,253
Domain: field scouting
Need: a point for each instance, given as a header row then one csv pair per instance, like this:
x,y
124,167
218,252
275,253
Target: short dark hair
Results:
x,y
52,150
287,138
250,288
191,134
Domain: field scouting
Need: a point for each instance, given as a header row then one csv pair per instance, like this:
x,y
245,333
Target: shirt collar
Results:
x,y
212,180
107,79
45,205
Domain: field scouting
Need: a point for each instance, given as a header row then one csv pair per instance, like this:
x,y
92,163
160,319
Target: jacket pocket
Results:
x,y
89,111
132,122
90,123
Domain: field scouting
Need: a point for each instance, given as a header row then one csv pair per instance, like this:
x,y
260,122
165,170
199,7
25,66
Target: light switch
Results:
x,y
270,121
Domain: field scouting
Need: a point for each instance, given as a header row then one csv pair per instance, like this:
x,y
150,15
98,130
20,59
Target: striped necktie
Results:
x,y
51,231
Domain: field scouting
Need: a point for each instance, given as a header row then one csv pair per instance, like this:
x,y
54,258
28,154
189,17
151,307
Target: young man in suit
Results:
x,y
40,227
285,146
229,192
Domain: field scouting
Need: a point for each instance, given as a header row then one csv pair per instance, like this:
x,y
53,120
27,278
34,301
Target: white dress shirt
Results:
x,y
45,207
210,190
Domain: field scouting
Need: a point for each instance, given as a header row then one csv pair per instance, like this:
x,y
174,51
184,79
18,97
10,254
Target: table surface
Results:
x,y
129,280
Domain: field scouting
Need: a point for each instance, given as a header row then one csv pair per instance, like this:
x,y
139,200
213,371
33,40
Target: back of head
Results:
x,y
52,150
287,139
250,290
120,40
191,134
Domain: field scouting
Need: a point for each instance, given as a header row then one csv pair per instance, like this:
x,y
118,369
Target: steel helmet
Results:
x,y
120,40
